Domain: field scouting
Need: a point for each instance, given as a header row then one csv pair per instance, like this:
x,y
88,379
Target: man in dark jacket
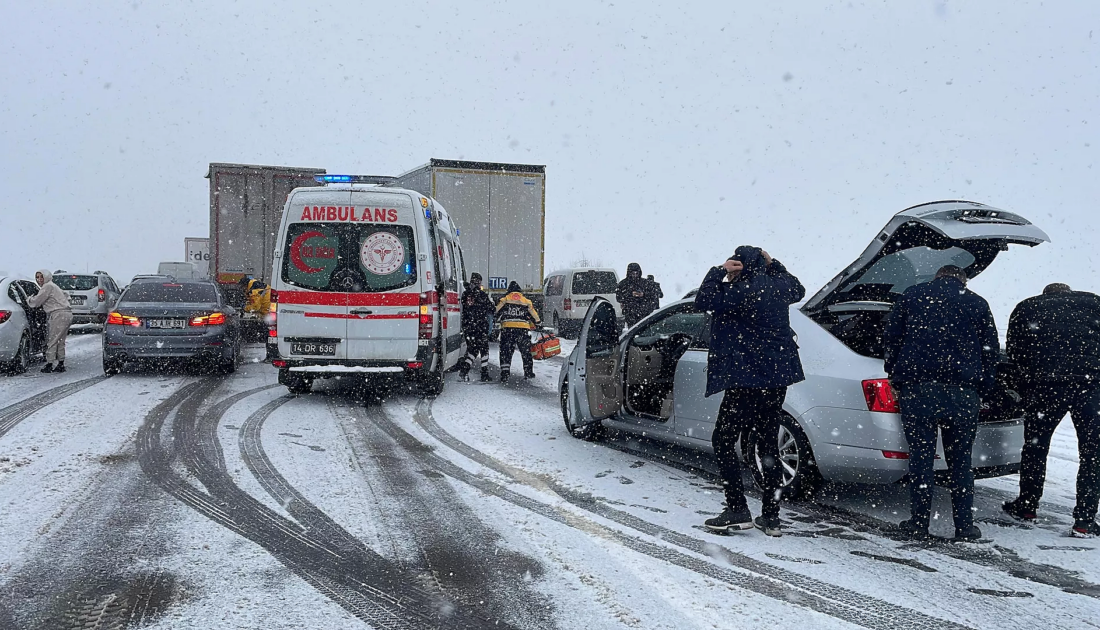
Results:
x,y
476,309
753,359
941,354
1054,341
656,294
635,294
517,317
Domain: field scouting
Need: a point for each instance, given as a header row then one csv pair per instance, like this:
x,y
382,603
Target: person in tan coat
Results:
x,y
56,304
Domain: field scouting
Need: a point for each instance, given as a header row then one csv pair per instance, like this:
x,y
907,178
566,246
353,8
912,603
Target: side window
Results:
x,y
16,295
690,322
29,288
554,285
450,270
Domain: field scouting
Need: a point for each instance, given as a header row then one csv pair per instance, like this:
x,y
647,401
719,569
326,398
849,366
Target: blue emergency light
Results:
x,y
353,179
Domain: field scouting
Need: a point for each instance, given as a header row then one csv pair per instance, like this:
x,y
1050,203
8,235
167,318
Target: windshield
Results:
x,y
76,283
895,273
362,258
594,282
173,293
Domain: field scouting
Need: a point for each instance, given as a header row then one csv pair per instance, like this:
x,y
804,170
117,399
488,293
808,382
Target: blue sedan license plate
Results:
x,y
167,323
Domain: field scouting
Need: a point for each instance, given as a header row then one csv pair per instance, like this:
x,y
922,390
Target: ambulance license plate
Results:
x,y
314,349
167,323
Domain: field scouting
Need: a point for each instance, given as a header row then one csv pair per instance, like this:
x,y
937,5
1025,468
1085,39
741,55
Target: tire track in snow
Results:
x,y
13,414
750,574
365,584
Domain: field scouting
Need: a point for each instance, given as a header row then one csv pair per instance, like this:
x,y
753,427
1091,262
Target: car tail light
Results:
x,y
416,365
213,319
880,396
279,363
102,295
427,320
4,316
123,320
895,455
567,304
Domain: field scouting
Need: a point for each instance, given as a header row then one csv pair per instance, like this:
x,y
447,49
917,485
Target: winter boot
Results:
x,y
504,375
485,378
729,520
1017,510
48,368
769,525
528,376
969,534
60,367
913,531
1085,528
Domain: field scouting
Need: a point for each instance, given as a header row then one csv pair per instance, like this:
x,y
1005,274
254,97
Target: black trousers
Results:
x,y
1045,405
953,410
750,409
477,345
510,340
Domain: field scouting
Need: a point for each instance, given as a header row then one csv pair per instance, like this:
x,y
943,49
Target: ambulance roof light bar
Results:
x,y
354,179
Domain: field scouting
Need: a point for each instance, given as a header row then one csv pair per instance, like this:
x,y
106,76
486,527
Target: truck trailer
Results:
x,y
500,210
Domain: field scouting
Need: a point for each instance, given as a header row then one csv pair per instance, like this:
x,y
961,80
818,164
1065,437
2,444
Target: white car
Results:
x,y
567,293
22,329
842,422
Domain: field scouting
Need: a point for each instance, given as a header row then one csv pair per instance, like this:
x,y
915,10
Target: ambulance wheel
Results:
x,y
294,383
432,383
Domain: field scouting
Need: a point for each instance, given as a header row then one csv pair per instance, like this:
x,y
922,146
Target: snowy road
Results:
x,y
180,501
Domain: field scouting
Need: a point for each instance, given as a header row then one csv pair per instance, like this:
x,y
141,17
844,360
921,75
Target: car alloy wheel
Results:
x,y
799,475
589,432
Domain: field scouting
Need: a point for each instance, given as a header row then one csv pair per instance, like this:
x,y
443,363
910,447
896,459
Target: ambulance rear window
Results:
x,y
349,258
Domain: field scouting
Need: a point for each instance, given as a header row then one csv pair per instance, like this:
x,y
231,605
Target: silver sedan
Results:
x,y
842,422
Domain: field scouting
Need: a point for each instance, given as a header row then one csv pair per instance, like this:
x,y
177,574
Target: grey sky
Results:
x,y
671,132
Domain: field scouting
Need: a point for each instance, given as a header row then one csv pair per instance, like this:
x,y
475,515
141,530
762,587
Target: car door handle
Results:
x,y
361,311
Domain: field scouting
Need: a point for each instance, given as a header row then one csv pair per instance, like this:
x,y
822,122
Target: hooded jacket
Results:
x,y
635,307
942,332
752,344
1056,337
50,296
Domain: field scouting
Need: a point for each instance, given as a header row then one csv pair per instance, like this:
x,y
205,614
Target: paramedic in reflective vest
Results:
x,y
257,296
476,310
517,319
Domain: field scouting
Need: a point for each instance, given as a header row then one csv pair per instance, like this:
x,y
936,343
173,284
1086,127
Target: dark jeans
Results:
x,y
510,340
750,409
477,345
1046,404
926,407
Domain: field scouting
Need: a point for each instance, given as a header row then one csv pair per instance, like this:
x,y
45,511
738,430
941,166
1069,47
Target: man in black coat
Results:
x,y
636,295
753,358
941,354
1054,341
476,309
656,294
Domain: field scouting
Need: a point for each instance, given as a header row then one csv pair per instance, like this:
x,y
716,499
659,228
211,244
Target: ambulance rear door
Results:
x,y
384,301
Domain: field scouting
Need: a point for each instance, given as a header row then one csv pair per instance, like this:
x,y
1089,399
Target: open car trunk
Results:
x,y
912,247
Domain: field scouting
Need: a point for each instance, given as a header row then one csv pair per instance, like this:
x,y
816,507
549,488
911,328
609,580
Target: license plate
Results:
x,y
315,349
76,299
167,323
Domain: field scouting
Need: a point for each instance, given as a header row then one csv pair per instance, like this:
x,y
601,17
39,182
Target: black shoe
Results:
x,y
970,534
914,532
528,376
60,367
1018,511
1085,528
464,377
729,520
769,525
48,368
485,378
503,376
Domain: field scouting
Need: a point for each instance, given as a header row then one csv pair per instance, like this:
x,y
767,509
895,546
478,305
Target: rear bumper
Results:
x,y
325,368
89,318
117,345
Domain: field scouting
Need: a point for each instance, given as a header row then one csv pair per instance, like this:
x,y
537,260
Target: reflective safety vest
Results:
x,y
516,311
259,298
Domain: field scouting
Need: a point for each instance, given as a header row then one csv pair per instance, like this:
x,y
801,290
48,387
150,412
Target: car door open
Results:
x,y
598,387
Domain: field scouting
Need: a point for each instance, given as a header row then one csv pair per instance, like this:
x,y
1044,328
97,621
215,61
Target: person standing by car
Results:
x,y
1054,342
517,317
753,358
941,354
59,317
655,294
476,309
635,294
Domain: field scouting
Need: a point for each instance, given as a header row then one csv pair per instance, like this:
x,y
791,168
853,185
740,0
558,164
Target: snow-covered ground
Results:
x,y
182,501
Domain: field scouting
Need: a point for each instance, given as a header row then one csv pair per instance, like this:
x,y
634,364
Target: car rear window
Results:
x,y
171,292
76,283
364,258
594,282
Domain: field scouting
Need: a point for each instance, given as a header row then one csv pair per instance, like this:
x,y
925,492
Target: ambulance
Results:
x,y
366,281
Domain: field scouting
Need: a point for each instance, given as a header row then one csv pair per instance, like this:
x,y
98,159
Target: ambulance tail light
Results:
x,y
102,295
568,304
880,396
272,316
4,316
118,319
427,320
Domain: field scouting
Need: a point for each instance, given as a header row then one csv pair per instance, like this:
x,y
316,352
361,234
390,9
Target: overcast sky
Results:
x,y
671,132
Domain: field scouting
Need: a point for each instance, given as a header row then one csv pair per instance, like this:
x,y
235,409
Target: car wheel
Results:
x,y
589,432
22,358
800,476
111,366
